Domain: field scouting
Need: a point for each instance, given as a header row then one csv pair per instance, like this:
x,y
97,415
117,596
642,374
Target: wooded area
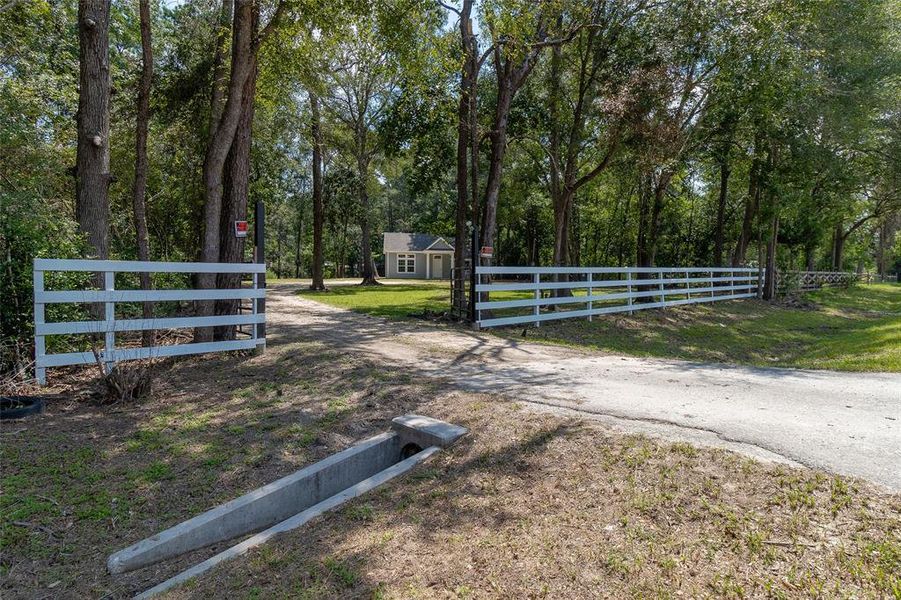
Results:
x,y
571,132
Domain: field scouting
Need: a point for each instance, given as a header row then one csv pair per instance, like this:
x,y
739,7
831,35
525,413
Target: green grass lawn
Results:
x,y
855,329
394,301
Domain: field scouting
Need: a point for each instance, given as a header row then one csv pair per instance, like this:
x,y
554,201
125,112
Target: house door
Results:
x,y
437,267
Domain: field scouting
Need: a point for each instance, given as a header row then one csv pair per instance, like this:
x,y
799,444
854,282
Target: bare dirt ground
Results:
x,y
846,423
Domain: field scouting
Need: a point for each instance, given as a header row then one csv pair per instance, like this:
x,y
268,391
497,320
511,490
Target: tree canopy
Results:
x,y
571,132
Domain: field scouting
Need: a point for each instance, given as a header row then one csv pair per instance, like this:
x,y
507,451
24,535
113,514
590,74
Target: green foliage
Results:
x,y
798,98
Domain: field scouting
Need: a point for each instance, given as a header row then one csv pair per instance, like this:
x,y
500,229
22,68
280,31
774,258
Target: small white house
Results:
x,y
417,256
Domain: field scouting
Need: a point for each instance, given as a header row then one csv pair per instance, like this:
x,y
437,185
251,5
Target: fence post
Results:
x,y
687,286
537,309
259,240
589,295
712,282
109,284
476,297
474,277
662,296
629,289
40,373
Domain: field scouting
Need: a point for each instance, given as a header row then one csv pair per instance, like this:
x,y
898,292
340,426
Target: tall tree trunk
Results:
x,y
496,162
220,67
752,202
140,184
887,231
575,235
656,210
838,247
92,176
298,243
468,73
510,77
810,256
318,208
280,237
369,273
236,189
559,196
242,64
769,282
650,208
642,257
719,232
475,210
561,227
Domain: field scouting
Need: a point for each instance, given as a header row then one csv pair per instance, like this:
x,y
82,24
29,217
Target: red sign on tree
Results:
x,y
240,229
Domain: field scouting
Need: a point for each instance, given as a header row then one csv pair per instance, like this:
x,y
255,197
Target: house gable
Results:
x,y
414,242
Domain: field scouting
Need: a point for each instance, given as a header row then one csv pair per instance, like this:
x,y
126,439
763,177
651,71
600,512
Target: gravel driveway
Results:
x,y
846,423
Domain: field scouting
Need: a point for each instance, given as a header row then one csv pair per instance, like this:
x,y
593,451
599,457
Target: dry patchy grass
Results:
x,y
528,505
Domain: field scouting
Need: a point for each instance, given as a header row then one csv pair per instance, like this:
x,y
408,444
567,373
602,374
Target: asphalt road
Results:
x,y
844,423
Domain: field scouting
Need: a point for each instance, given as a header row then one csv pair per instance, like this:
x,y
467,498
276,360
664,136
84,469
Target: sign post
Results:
x,y
473,278
259,256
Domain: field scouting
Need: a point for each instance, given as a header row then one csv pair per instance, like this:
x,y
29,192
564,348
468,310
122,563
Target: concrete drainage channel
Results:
x,y
291,501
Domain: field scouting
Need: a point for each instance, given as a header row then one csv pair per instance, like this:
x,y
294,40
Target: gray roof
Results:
x,y
414,242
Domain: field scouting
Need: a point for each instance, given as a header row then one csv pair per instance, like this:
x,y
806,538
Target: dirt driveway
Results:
x,y
846,423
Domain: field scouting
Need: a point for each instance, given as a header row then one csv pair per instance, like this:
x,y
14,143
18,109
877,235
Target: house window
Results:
x,y
406,263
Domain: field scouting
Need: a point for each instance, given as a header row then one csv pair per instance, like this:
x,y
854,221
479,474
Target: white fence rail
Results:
x,y
109,296
601,290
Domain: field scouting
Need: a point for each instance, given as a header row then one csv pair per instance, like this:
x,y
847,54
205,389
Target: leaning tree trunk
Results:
x,y
496,163
234,204
92,177
243,63
318,208
140,185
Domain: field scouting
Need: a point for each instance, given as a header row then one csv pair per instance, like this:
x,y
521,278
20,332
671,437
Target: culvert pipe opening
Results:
x,y
293,500
409,450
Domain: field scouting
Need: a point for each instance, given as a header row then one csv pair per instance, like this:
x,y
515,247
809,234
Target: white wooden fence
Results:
x,y
602,290
109,296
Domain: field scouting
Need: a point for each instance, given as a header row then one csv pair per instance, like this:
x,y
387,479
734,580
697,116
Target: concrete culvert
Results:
x,y
291,501
409,450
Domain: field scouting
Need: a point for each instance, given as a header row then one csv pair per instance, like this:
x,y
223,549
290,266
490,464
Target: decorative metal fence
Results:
x,y
813,280
551,293
110,325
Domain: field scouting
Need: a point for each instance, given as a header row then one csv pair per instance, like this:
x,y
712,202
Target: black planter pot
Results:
x,y
18,407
